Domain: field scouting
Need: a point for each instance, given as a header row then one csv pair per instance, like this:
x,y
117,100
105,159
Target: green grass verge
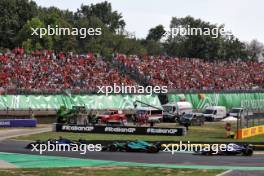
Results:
x,y
111,171
211,132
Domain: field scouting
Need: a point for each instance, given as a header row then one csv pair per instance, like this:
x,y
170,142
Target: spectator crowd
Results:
x,y
197,74
50,72
55,72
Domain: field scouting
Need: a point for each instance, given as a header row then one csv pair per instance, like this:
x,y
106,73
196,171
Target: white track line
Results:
x,y
224,173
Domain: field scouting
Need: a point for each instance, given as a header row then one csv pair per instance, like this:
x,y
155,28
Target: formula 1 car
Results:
x,y
232,149
133,146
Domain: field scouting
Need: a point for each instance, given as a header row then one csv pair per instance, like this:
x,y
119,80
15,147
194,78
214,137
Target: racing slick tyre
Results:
x,y
153,149
248,152
112,148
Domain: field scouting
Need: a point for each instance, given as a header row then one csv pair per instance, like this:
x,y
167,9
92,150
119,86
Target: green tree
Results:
x,y
32,42
156,33
232,48
112,19
56,18
255,49
200,46
13,15
214,46
153,47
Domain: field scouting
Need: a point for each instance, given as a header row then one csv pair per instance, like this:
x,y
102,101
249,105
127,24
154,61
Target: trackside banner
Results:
x,y
90,101
254,101
249,132
18,122
181,131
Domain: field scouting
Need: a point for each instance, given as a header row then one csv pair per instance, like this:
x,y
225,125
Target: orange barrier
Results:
x,y
249,132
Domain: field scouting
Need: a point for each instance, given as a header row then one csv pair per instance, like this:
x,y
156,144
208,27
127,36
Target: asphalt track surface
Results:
x,y
15,132
12,146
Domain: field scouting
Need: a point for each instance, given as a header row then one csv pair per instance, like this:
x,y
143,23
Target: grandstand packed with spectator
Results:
x,y
197,74
47,71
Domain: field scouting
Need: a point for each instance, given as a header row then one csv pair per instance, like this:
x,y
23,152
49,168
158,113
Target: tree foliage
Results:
x,y
156,33
112,19
18,17
210,46
13,15
255,50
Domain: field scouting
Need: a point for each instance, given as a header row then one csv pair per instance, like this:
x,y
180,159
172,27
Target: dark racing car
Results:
x,y
232,149
133,146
